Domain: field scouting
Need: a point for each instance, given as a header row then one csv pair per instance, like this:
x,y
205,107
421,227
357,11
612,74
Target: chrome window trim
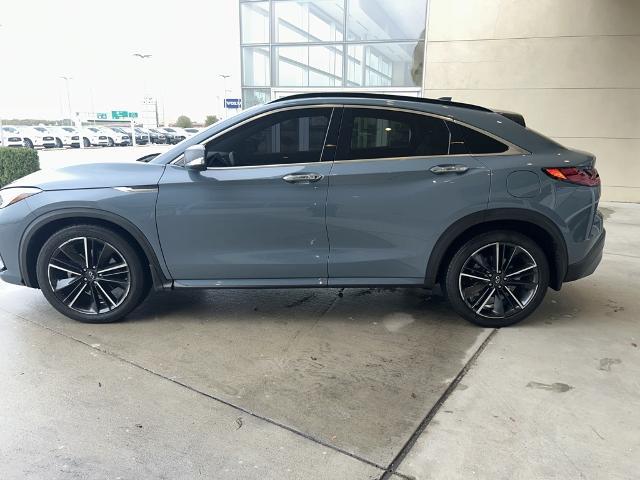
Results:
x,y
256,117
512,149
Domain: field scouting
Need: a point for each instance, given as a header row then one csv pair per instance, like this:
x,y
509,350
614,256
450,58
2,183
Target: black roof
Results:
x,y
382,96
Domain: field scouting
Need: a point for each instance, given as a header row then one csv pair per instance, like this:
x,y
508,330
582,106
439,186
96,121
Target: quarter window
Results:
x,y
479,143
372,133
292,136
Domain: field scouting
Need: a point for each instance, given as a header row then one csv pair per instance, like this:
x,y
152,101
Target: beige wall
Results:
x,y
572,67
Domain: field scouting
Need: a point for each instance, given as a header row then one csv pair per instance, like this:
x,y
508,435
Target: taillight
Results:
x,y
587,176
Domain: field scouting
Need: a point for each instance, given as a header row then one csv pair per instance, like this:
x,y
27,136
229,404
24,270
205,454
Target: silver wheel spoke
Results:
x,y
115,267
80,290
106,295
521,271
497,257
51,265
86,253
486,300
515,298
473,276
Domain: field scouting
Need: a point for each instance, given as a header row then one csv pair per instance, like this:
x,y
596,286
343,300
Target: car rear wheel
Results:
x,y
111,142
86,142
497,279
58,143
91,274
28,143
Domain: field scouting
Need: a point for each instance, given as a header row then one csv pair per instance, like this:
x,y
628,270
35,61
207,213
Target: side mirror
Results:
x,y
194,158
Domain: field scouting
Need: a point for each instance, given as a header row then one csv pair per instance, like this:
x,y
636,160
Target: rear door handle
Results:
x,y
450,168
302,177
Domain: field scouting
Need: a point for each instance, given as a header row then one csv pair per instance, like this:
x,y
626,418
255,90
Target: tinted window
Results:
x,y
373,133
293,136
477,142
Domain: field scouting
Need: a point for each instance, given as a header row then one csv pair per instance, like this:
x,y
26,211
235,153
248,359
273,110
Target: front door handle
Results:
x,y
302,177
449,168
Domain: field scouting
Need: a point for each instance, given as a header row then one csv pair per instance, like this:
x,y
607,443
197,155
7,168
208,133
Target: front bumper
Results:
x,y
589,263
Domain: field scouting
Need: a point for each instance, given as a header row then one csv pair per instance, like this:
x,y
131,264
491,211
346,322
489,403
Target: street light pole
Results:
x,y
145,86
66,82
224,80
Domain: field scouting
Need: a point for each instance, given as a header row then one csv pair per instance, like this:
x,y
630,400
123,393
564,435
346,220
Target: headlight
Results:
x,y
11,195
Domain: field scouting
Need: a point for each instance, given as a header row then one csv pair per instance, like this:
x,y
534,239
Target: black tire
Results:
x,y
520,293
89,286
111,142
28,143
59,143
86,142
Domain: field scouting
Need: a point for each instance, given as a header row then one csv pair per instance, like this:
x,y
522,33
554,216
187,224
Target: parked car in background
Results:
x,y
155,136
177,133
118,136
191,131
36,137
142,136
95,136
65,136
164,137
317,190
11,137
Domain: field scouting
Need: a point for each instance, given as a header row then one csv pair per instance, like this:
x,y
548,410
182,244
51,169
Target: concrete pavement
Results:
x,y
328,384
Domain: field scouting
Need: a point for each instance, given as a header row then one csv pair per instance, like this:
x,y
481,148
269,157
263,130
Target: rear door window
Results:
x,y
370,133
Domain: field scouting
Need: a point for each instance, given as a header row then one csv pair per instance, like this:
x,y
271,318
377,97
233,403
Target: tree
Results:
x,y
183,122
210,120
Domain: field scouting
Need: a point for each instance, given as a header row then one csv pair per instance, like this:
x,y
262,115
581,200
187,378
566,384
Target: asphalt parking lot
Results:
x,y
326,384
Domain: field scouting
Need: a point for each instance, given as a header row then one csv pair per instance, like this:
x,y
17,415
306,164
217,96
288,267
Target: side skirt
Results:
x,y
300,283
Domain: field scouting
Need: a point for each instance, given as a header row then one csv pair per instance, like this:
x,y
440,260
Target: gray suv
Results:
x,y
317,190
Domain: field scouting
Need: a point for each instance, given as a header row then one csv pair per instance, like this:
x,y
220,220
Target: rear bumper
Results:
x,y
589,263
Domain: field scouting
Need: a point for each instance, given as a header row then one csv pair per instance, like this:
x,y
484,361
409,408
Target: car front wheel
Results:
x,y
91,274
497,279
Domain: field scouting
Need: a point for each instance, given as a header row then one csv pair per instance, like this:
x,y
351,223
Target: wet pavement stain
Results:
x,y
553,387
605,363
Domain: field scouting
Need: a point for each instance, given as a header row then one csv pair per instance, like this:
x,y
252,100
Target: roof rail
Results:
x,y
381,96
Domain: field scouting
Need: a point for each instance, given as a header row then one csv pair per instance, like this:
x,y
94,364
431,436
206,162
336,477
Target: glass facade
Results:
x,y
301,45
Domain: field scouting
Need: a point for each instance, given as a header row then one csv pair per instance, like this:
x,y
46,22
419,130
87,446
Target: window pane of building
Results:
x,y
255,66
309,21
309,66
255,96
386,20
255,22
385,65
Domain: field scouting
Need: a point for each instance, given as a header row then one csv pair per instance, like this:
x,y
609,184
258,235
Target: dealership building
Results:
x,y
571,67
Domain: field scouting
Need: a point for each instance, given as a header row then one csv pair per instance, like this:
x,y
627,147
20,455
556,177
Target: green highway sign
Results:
x,y
133,114
118,114
101,116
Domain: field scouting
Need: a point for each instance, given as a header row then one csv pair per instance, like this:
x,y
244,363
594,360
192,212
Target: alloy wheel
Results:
x,y
499,280
89,275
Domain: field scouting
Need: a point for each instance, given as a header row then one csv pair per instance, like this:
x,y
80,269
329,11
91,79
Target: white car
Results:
x,y
177,133
95,136
66,136
36,137
11,137
117,136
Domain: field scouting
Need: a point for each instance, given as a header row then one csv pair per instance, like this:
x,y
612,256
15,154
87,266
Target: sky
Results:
x,y
191,42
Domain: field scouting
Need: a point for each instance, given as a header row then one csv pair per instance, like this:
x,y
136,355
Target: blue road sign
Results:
x,y
232,103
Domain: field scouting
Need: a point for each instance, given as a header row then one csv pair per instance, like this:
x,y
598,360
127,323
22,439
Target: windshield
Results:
x,y
10,129
41,129
93,129
68,129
